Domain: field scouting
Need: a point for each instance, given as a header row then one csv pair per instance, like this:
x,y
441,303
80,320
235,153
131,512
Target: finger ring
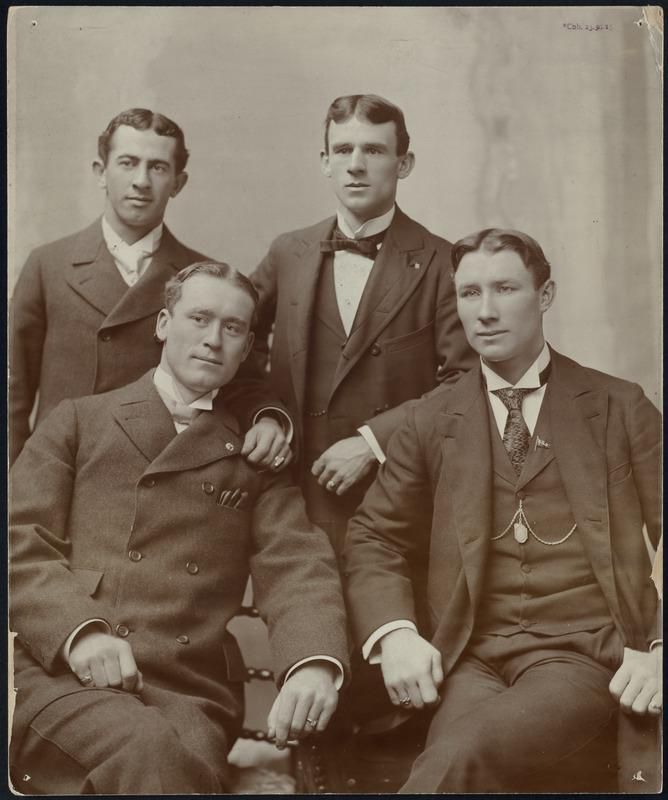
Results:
x,y
86,680
311,722
331,484
278,461
405,701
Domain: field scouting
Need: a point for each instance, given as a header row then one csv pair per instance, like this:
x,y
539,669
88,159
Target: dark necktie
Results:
x,y
367,245
516,433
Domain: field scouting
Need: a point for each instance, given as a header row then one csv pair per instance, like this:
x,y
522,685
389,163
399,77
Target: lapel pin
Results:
x,y
416,265
542,443
229,446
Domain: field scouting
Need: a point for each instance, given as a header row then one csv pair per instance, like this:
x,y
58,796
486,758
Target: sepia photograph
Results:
x,y
335,368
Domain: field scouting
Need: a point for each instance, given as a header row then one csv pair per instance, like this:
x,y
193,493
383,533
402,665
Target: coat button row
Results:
x,y
135,555
123,631
192,567
183,639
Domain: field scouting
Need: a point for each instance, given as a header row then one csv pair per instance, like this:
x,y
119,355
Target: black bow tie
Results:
x,y
367,245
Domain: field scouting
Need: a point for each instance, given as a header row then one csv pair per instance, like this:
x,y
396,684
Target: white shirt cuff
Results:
x,y
338,682
367,434
65,649
655,643
371,649
284,420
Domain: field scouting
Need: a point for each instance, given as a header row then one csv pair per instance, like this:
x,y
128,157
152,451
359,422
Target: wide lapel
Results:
x,y
146,296
467,471
400,266
304,283
578,415
92,273
212,436
145,418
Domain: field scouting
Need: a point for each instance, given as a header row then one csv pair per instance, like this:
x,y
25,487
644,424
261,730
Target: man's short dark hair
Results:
x,y
493,240
143,120
216,269
371,108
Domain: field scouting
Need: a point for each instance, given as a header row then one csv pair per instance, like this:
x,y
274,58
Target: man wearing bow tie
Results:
x,y
362,310
84,308
497,569
135,522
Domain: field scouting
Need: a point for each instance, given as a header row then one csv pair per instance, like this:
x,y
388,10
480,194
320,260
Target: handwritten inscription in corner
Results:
x,y
576,26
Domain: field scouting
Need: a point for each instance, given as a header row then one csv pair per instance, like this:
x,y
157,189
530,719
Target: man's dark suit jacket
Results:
x,y
105,477
432,504
406,335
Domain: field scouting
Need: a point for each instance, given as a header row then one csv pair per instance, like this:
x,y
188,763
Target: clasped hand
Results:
x,y
305,703
100,659
343,464
637,684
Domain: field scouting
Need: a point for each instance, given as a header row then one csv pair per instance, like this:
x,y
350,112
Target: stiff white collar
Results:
x,y
368,228
530,379
166,384
145,246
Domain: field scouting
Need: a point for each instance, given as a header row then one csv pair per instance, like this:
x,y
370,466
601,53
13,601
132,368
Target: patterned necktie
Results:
x,y
367,246
516,433
181,413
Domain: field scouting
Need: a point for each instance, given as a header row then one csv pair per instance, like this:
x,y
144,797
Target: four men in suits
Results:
x,y
362,310
84,308
135,521
499,558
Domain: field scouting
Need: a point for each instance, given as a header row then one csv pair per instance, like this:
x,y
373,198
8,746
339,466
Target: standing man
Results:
x,y
134,526
84,308
362,310
524,488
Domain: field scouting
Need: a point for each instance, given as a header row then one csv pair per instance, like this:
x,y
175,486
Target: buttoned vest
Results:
x,y
545,587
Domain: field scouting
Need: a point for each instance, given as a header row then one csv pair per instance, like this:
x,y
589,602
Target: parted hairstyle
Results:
x,y
216,269
143,120
492,240
371,108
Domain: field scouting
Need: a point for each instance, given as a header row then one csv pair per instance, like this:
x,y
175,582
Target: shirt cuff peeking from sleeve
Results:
x,y
65,649
280,416
367,434
371,648
338,681
655,643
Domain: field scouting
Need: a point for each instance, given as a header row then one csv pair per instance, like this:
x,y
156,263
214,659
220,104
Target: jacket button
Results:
x,y
192,567
135,555
524,624
521,495
105,336
208,488
526,568
123,631
375,350
149,482
183,639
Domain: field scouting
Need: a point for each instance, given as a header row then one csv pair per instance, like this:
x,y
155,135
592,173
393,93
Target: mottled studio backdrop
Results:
x,y
543,119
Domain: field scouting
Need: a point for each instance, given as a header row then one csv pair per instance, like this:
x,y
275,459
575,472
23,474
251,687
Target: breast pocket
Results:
x,y
416,339
619,474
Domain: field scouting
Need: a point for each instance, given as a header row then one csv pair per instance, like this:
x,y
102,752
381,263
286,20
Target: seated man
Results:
x,y
517,497
135,523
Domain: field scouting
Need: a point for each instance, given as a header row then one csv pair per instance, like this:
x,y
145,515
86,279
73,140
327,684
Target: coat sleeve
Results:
x,y
644,432
265,280
388,539
453,354
27,331
295,579
47,600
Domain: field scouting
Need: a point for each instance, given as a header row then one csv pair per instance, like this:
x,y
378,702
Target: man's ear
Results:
x,y
249,345
406,165
179,182
548,292
99,172
162,325
324,164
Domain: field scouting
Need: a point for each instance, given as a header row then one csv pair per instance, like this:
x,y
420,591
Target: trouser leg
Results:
x,y
107,742
495,735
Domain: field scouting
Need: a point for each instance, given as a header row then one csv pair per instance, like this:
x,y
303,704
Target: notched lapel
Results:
x,y
145,419
92,273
